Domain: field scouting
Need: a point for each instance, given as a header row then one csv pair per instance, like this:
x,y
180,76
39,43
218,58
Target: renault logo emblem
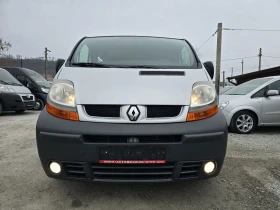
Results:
x,y
133,113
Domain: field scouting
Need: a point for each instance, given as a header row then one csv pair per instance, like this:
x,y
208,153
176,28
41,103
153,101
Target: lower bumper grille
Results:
x,y
74,170
132,172
25,98
139,139
29,104
190,170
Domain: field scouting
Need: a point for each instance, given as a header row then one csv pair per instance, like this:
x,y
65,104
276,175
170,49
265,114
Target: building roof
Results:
x,y
239,79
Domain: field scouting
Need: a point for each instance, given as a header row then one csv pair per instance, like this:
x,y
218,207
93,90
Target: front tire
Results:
x,y
243,122
39,105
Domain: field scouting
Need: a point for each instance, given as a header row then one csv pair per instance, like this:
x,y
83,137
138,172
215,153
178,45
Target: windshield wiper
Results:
x,y
3,82
10,83
101,65
143,67
13,83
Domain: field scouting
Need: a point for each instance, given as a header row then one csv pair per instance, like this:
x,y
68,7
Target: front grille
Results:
x,y
74,170
190,170
138,139
25,98
132,171
157,111
153,111
103,110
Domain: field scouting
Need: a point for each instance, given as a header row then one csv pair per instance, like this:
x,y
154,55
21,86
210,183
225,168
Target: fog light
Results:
x,y
209,167
55,167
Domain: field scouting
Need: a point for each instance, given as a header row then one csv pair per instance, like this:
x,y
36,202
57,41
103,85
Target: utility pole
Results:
x,y
232,72
218,56
260,59
242,65
46,60
21,62
224,79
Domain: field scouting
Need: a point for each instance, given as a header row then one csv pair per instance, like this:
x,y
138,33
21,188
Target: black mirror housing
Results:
x,y
210,68
58,64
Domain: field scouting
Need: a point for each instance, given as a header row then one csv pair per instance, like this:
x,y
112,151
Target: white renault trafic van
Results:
x,y
130,108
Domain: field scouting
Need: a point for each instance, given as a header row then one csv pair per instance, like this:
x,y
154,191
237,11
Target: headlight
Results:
x,y
223,104
6,89
203,101
61,100
45,90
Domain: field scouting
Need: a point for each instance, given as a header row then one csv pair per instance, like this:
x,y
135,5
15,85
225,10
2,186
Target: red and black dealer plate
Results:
x,y
132,155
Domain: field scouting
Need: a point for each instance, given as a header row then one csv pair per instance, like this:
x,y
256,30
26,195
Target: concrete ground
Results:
x,y
250,178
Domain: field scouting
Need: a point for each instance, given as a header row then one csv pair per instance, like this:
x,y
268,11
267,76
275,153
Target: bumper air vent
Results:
x,y
190,170
132,172
75,170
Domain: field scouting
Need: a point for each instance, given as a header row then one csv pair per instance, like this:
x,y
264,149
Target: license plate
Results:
x,y
132,155
132,161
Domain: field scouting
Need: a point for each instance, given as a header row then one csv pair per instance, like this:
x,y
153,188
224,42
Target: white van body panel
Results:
x,y
20,89
126,86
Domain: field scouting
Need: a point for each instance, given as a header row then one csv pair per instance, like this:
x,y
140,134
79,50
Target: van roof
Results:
x,y
160,37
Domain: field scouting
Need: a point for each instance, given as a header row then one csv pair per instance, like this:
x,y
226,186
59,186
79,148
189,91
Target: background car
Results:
x,y
13,95
251,104
225,89
37,84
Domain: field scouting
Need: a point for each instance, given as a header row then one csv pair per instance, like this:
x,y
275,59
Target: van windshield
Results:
x,y
134,52
247,87
7,79
37,78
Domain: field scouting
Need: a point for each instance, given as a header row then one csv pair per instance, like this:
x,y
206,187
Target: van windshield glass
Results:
x,y
134,52
7,79
247,87
38,78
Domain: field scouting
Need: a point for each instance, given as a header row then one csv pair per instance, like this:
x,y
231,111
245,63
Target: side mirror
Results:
x,y
210,68
272,93
31,86
58,64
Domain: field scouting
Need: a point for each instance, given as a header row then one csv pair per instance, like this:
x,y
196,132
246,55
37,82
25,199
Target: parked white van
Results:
x,y
131,108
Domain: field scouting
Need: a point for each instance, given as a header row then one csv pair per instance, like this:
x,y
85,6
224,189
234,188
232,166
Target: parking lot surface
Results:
x,y
250,178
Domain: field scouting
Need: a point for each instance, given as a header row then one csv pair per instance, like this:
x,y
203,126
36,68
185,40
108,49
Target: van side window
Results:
x,y
275,86
22,79
260,93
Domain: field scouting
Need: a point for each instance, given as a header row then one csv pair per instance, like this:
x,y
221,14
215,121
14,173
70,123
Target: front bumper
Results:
x,y
63,141
11,102
29,104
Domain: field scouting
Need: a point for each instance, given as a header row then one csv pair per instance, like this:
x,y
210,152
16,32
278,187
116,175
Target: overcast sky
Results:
x,y
31,25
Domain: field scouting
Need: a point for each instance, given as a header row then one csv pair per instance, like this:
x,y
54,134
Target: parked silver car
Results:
x,y
251,104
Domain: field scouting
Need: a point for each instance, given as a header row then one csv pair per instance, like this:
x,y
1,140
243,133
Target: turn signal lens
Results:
x,y
64,114
199,115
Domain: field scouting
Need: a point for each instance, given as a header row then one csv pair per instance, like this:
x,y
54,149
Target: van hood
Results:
x,y
124,86
20,89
